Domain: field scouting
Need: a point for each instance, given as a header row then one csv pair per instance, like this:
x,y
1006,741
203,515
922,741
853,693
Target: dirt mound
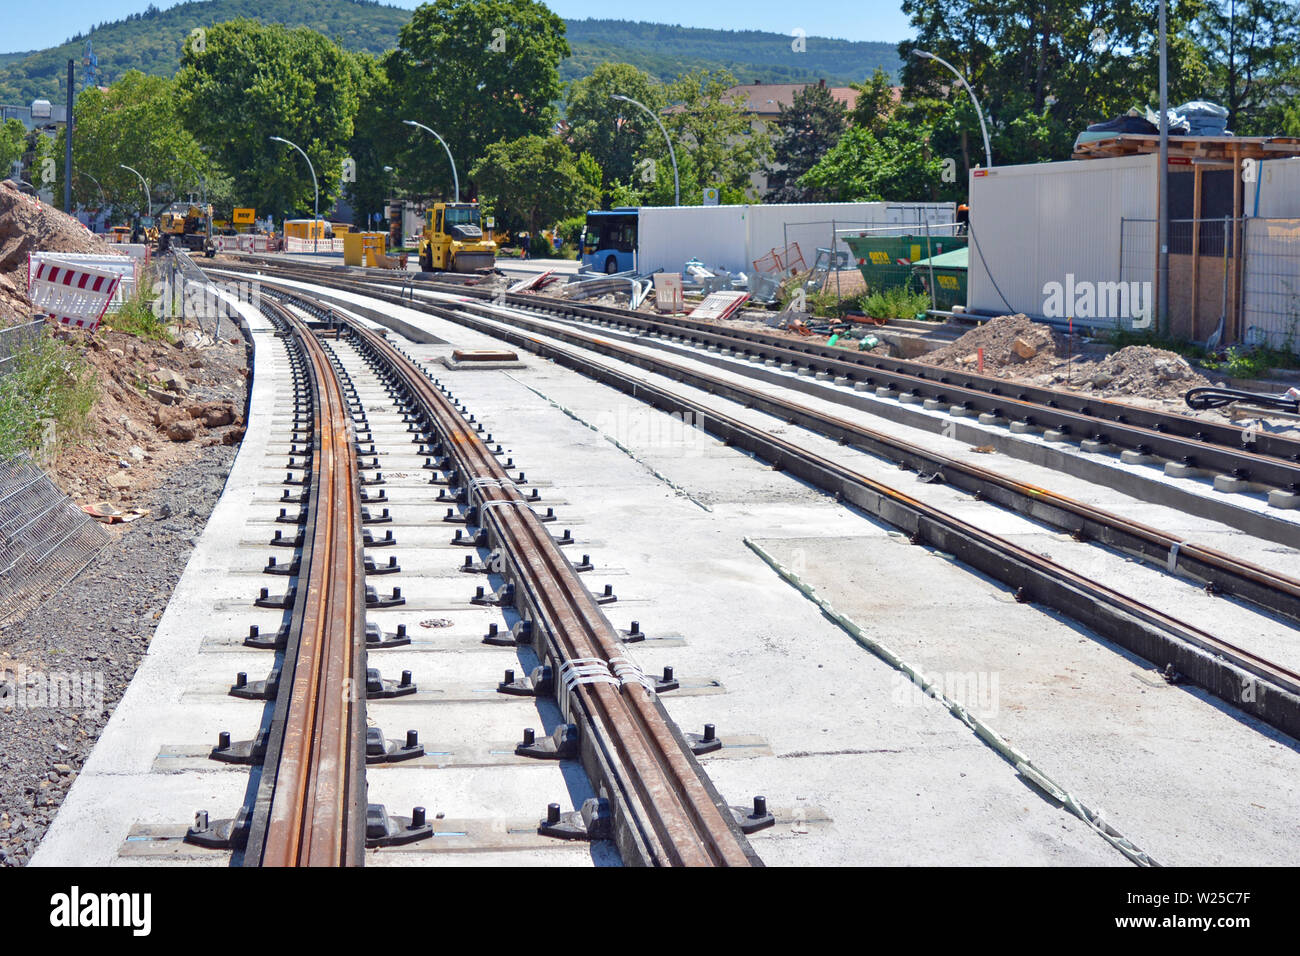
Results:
x,y
1014,342
1138,370
157,405
28,225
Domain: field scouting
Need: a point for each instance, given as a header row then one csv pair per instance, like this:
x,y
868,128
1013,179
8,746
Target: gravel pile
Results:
x,y
98,629
1011,343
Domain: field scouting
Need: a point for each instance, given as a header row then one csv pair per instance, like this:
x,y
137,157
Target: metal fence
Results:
x,y
1270,286
1267,299
45,539
17,339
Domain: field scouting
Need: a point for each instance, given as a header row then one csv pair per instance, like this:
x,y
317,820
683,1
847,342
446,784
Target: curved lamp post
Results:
x,y
677,191
315,208
143,185
988,153
455,179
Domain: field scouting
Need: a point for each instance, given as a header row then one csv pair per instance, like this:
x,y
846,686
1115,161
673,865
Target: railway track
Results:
x,y
1243,455
310,809
1251,681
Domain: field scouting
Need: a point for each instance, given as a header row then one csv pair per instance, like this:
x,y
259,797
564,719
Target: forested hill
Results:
x,y
151,41
752,55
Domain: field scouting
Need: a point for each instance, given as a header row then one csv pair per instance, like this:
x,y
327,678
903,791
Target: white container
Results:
x,y
1044,222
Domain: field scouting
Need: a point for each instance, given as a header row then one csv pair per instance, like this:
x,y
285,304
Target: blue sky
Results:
x,y
846,19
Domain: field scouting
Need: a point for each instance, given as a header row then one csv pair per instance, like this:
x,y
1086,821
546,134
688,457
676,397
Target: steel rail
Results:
x,y
1270,459
1255,684
668,811
310,806
1223,573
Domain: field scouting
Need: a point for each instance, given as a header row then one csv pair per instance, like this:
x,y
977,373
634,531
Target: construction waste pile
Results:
x,y
1016,347
27,225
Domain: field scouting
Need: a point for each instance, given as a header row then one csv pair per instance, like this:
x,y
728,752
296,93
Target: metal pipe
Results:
x,y
455,179
988,153
677,189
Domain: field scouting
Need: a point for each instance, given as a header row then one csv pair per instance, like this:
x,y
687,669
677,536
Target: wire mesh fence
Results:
x,y
45,539
1270,304
17,339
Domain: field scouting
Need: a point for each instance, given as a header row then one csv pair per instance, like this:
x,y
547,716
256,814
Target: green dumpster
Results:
x,y
950,269
886,261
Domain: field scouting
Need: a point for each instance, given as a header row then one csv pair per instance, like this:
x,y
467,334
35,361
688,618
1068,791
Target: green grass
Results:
x,y
895,303
137,317
1246,362
52,382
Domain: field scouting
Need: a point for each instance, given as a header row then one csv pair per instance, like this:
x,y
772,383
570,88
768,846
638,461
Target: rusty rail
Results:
x,y
310,806
665,811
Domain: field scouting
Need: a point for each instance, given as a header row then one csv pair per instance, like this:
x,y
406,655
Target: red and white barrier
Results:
x,y
73,295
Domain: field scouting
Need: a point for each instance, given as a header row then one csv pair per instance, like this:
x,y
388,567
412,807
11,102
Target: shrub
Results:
x,y
51,381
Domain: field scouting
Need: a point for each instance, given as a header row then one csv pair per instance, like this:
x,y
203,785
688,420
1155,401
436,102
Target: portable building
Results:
x,y
735,237
1043,227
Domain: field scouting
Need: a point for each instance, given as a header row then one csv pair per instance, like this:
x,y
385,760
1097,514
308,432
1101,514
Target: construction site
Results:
x,y
389,526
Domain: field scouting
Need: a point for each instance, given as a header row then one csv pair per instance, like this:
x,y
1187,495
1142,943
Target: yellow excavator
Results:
x,y
453,241
185,224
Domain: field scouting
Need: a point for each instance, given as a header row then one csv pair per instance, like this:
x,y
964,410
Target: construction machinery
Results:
x,y
187,225
453,241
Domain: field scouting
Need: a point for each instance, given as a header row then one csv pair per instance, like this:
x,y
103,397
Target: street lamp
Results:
x,y
988,153
677,190
454,178
315,208
143,185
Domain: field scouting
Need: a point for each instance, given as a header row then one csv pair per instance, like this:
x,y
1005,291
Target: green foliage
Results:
x,y
479,72
875,102
134,122
807,129
52,381
535,181
666,51
153,41
615,133
1121,337
250,82
1246,362
139,317
372,146
863,167
898,302
13,141
570,229
1251,48
718,144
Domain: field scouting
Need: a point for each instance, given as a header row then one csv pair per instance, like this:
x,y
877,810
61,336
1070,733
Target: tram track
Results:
x,y
1251,681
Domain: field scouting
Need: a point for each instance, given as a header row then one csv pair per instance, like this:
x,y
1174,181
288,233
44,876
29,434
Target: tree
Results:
x,y
375,139
1076,63
536,181
133,122
875,103
808,128
1252,47
715,137
897,164
478,72
13,139
252,81
616,134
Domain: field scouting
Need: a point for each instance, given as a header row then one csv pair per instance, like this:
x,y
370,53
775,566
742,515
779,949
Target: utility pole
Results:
x,y
1162,228
67,156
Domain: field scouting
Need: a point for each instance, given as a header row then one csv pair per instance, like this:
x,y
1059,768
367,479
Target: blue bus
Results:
x,y
609,240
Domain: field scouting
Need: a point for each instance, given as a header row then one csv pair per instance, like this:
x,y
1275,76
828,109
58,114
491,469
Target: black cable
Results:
x,y
1215,397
